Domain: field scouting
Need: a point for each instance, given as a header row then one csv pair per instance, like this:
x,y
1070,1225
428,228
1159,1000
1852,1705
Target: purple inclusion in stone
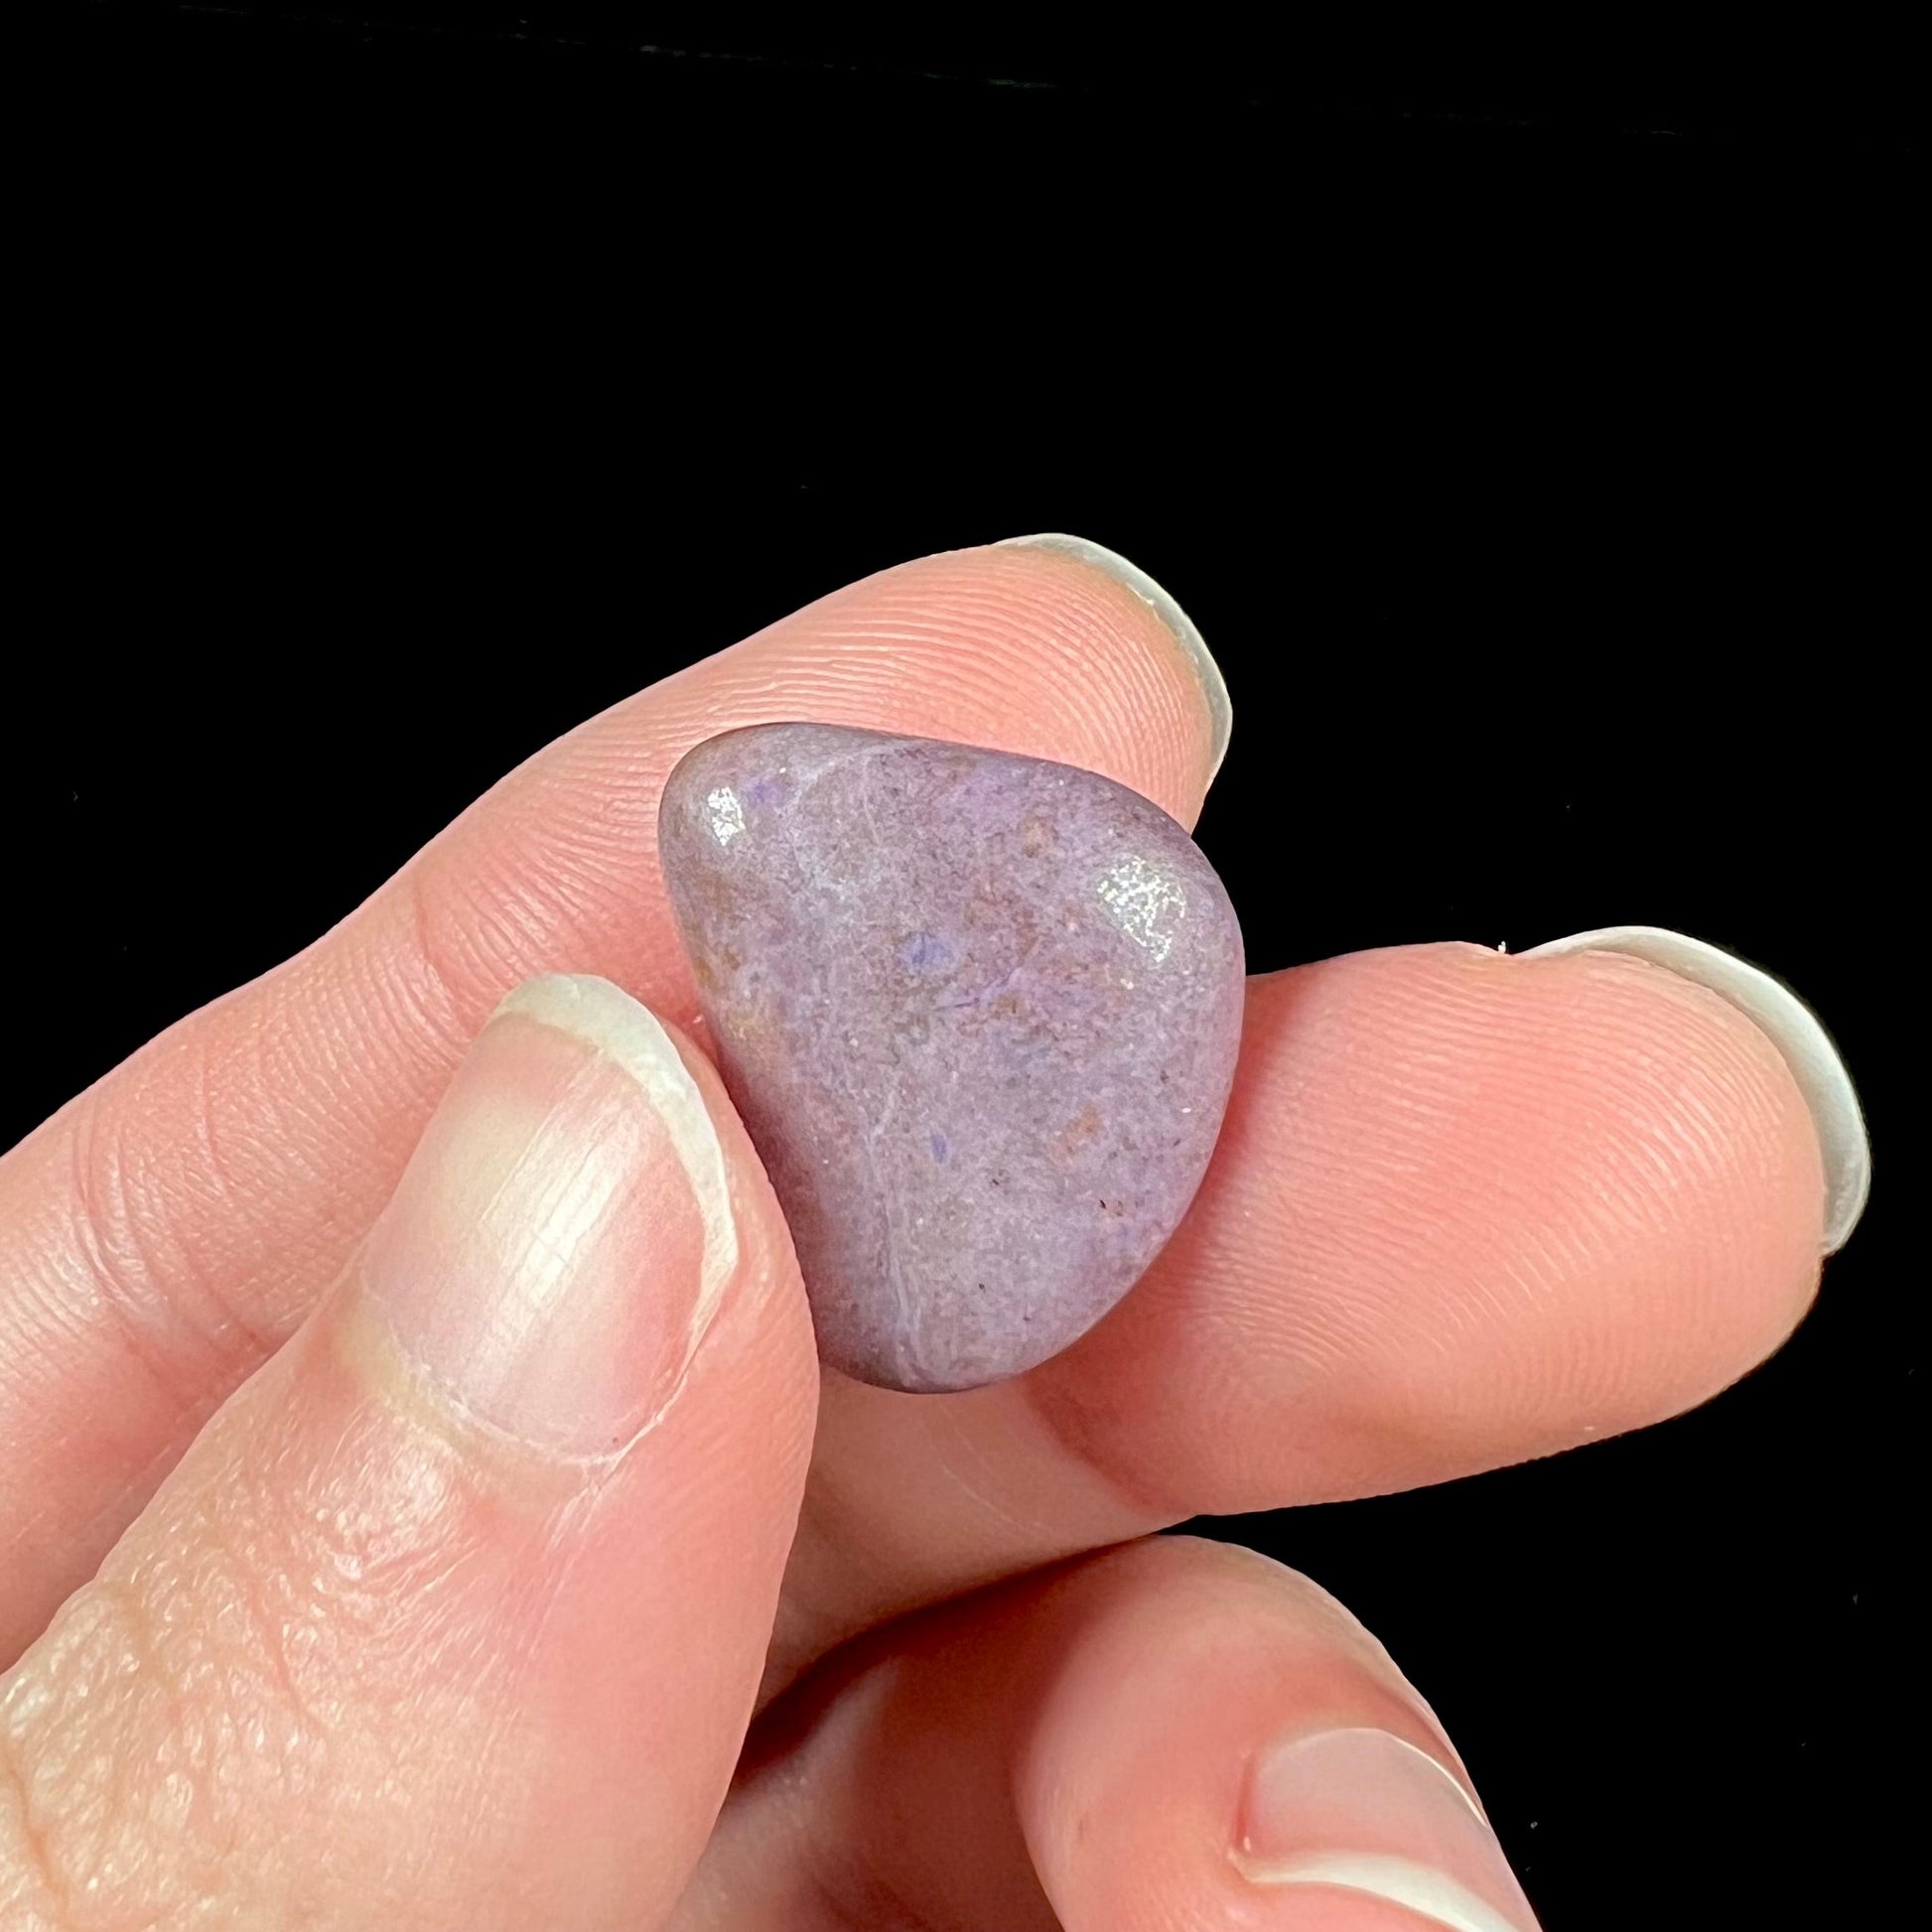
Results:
x,y
980,1014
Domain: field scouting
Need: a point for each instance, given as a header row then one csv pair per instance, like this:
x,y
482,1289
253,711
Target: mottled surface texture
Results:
x,y
980,1014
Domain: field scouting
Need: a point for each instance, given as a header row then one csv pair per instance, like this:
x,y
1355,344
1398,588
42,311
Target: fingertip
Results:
x,y
1210,1752
562,1239
1039,648
1357,1809
1791,1027
1180,626
1466,1208
1749,1187
1672,1194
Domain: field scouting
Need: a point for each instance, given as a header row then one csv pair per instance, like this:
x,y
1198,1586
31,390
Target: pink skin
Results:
x,y
1459,1217
976,1762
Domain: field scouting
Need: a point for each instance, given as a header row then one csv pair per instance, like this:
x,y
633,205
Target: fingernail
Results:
x,y
562,1234
1213,685
1791,1027
1367,1811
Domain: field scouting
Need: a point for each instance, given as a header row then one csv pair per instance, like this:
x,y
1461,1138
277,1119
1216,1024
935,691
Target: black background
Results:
x,y
1529,426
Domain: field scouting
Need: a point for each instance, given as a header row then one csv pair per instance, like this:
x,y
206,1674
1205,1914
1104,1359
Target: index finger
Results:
x,y
167,1230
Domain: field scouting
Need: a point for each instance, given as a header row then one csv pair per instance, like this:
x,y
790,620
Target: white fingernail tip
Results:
x,y
1791,1027
1420,1888
628,1032
1180,625
1362,1810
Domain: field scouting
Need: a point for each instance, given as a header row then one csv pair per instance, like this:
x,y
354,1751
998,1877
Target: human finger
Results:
x,y
454,1613
163,1233
1176,1736
1466,1209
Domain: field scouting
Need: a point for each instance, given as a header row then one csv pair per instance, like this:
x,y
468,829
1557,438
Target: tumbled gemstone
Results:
x,y
980,1015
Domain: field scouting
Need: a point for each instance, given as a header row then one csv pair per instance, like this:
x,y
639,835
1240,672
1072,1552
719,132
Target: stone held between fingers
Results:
x,y
980,1014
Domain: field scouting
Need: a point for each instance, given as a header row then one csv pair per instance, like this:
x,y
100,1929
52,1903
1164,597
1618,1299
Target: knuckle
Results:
x,y
94,1737
142,1180
157,1729
463,952
30,1894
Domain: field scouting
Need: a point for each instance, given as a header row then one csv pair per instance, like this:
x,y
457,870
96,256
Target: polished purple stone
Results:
x,y
980,1014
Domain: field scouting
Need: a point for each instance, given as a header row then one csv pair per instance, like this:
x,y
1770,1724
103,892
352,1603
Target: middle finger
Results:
x,y
1466,1209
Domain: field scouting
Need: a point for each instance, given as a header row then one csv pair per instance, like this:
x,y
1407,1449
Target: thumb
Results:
x,y
454,1616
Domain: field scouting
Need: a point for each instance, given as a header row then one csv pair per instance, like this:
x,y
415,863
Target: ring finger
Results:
x,y
1176,1736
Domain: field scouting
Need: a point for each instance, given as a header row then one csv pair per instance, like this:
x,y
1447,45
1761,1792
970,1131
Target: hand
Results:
x,y
420,1420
